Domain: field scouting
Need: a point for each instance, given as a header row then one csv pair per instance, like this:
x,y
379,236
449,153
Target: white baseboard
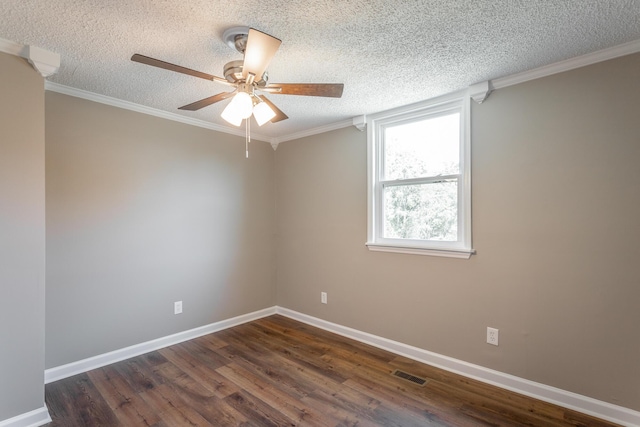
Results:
x,y
33,418
74,368
566,399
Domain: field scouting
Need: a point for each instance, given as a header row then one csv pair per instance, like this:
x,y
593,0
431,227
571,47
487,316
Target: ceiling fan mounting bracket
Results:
x,y
236,38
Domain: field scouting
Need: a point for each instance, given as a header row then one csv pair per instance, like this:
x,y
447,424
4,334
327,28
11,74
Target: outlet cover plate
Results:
x,y
177,307
492,336
323,297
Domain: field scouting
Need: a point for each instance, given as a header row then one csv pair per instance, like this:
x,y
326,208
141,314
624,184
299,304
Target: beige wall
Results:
x,y
142,212
22,238
556,179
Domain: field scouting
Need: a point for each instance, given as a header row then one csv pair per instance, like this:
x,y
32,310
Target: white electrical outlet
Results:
x,y
323,297
492,336
177,307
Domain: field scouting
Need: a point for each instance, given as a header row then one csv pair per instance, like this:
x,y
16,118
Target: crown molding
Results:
x,y
12,48
43,61
127,105
568,64
360,122
479,91
314,131
114,102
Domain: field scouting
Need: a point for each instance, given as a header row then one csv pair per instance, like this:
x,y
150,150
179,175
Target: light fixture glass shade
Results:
x,y
231,116
263,113
239,108
244,104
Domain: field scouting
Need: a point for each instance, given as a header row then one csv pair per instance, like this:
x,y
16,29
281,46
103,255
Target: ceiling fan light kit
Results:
x,y
238,109
244,104
263,113
248,76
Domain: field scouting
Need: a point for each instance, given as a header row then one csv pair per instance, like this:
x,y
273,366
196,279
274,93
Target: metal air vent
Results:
x,y
408,377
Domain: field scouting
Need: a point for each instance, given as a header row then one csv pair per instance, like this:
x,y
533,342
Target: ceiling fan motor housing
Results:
x,y
233,73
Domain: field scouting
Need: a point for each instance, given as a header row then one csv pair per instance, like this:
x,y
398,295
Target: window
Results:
x,y
419,179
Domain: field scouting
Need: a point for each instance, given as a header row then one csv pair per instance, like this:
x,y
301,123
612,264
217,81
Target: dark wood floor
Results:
x,y
278,372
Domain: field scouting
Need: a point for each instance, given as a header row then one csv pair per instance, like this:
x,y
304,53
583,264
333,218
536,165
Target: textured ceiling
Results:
x,y
386,53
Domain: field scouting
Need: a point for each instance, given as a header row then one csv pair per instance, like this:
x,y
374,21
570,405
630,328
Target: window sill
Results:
x,y
449,253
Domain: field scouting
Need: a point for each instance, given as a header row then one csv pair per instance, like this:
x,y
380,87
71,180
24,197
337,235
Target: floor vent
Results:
x,y
405,376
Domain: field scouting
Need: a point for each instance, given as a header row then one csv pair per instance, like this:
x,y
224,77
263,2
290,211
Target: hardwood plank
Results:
x,y
483,418
171,408
179,380
390,415
333,347
213,341
137,374
312,388
291,408
123,400
582,420
395,399
83,405
153,358
330,340
347,405
202,354
207,376
268,371
494,407
201,399
257,412
288,372
264,344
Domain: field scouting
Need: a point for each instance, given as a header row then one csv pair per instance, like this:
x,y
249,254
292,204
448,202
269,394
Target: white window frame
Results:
x,y
376,124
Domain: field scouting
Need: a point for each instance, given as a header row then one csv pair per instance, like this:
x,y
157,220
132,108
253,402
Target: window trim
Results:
x,y
459,101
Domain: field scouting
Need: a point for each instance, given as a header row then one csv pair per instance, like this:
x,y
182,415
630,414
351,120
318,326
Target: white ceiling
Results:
x,y
386,53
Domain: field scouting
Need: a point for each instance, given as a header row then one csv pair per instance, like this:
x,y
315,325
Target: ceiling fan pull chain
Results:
x,y
246,138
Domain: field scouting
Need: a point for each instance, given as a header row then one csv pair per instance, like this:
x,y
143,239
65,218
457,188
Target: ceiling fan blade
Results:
x,y
177,68
331,90
207,101
279,114
260,49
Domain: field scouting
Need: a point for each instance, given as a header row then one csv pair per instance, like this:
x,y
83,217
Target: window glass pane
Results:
x,y
429,147
423,211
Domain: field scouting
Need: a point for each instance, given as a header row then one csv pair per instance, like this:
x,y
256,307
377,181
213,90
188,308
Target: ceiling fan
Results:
x,y
248,77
